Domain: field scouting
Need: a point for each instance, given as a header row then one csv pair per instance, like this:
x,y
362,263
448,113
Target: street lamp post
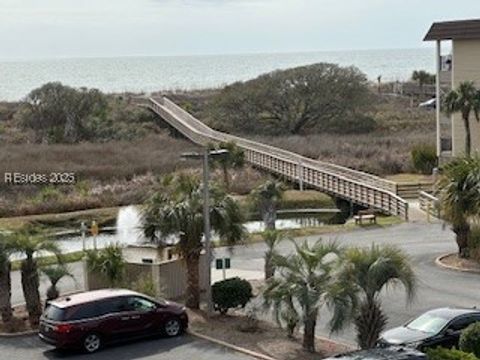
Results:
x,y
206,217
83,229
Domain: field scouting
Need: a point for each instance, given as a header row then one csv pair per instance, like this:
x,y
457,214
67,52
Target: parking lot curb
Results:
x,y
18,334
231,346
439,263
348,347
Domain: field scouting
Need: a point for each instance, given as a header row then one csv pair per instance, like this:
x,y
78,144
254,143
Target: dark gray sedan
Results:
x,y
439,327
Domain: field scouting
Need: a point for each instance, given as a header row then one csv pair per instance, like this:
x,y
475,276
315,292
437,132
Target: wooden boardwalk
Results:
x,y
358,187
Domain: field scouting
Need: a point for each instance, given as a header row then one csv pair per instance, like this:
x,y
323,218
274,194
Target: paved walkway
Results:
x,y
416,215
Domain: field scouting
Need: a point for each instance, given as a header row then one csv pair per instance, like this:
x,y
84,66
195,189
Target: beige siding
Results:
x,y
466,67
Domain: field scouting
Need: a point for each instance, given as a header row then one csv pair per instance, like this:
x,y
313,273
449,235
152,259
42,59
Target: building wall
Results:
x,y
466,67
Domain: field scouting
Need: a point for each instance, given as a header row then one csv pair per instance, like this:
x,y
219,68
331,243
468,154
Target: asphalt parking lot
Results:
x,y
181,348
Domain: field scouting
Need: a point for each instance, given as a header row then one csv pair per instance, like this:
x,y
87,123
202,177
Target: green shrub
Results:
x,y
470,339
107,262
231,293
449,354
144,285
424,158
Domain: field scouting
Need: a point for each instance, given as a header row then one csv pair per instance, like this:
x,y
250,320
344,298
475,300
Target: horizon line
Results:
x,y
253,53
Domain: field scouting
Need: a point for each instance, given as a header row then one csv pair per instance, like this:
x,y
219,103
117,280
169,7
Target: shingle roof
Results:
x,y
452,30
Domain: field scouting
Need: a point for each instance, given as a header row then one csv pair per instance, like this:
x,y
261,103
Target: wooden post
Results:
x,y
300,174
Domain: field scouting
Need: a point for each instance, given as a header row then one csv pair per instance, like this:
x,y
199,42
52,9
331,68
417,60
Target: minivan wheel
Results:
x,y
92,343
172,327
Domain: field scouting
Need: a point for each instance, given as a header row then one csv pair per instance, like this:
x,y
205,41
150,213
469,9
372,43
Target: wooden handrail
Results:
x,y
429,204
359,187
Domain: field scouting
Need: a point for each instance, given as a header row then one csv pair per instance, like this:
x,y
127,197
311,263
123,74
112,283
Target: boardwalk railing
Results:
x,y
430,204
356,186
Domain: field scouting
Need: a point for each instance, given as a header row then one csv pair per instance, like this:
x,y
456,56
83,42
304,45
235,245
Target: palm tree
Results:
x,y
280,298
30,243
54,275
465,100
423,78
178,210
368,271
233,159
5,280
266,197
108,262
460,197
271,238
308,278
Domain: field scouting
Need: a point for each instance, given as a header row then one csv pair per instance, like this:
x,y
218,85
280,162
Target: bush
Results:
x,y
231,293
470,339
107,262
424,158
449,354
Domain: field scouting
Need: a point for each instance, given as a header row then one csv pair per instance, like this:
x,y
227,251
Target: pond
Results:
x,y
127,230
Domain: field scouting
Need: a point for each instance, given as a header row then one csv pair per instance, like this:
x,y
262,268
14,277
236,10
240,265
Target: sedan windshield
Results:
x,y
428,323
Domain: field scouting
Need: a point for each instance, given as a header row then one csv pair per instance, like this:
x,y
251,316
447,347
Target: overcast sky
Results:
x,y
80,28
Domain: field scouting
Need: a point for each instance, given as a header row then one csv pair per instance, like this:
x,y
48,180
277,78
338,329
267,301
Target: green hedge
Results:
x,y
449,354
470,339
424,158
231,293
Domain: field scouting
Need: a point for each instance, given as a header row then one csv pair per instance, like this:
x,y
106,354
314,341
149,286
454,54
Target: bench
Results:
x,y
360,218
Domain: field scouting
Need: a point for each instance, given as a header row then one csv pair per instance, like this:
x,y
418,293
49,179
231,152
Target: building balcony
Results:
x,y
446,79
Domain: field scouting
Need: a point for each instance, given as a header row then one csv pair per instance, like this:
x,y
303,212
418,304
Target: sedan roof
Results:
x,y
450,313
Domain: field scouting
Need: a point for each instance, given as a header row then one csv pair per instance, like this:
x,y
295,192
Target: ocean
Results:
x,y
147,74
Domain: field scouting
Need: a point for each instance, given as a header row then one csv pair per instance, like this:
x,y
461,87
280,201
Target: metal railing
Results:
x,y
359,187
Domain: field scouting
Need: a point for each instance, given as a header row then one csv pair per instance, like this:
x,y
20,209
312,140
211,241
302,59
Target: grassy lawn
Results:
x,y
382,221
308,199
61,221
296,199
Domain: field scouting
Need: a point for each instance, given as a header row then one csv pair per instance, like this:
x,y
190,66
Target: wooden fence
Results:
x,y
169,278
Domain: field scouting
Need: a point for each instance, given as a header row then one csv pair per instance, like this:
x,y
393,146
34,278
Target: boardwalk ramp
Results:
x,y
358,187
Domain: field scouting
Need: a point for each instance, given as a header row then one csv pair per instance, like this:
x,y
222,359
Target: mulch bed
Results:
x,y
463,264
265,337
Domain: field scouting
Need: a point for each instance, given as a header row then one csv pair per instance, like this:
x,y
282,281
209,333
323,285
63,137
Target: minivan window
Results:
x,y
54,313
140,304
84,311
111,306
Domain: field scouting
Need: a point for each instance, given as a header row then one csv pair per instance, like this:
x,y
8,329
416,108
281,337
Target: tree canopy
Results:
x,y
62,114
423,77
320,98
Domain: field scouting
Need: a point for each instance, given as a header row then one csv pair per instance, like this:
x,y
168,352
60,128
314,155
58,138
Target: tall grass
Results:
x,y
379,153
158,154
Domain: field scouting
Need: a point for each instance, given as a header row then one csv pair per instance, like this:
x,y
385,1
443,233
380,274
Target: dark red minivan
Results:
x,y
91,319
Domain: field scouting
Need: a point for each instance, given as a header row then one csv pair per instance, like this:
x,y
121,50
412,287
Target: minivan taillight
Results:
x,y
63,328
